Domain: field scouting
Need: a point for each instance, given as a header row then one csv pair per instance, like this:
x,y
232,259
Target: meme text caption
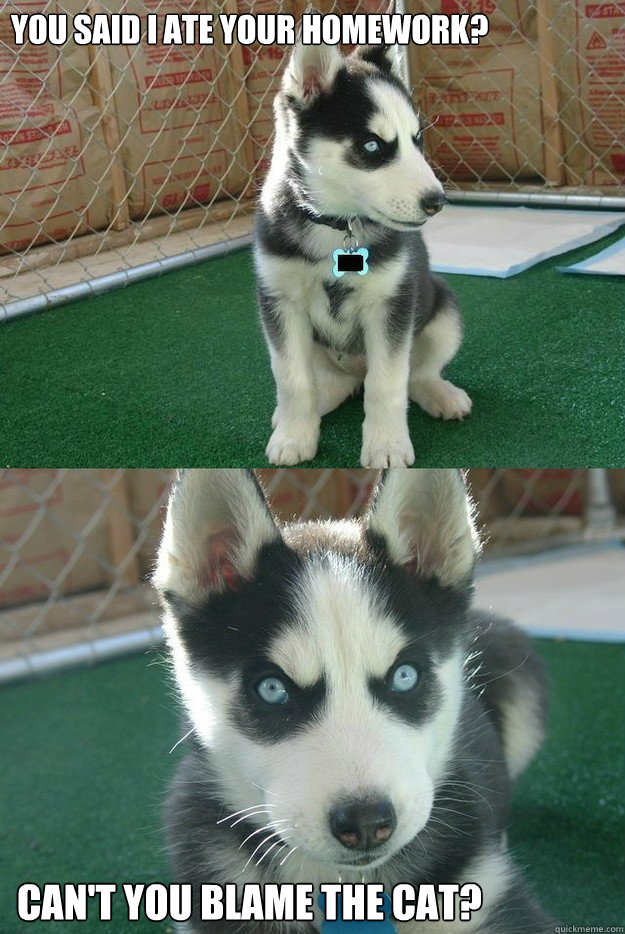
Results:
x,y
247,28
253,902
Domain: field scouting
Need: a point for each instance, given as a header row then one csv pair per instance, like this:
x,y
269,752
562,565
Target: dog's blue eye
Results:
x,y
371,145
404,679
272,691
418,138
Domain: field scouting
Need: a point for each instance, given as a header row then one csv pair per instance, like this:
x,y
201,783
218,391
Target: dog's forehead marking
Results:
x,y
342,631
393,114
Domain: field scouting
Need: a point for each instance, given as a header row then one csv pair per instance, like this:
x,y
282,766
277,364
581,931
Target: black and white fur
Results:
x,y
331,609
395,328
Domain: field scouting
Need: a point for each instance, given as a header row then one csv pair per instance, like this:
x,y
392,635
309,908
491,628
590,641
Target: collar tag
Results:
x,y
352,259
339,926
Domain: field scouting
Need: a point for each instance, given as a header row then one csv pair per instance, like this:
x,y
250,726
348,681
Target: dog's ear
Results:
x,y
425,519
217,522
385,57
311,71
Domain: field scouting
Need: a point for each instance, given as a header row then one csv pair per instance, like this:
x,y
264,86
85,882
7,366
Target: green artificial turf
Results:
x,y
173,372
85,761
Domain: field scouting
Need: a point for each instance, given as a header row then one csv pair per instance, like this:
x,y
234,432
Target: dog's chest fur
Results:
x,y
338,308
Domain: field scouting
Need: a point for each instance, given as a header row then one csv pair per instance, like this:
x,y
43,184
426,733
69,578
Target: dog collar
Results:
x,y
325,220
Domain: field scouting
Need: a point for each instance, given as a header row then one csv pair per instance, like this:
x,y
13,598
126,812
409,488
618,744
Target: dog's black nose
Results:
x,y
432,202
363,825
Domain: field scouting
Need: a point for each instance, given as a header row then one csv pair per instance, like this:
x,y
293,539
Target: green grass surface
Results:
x,y
85,763
173,372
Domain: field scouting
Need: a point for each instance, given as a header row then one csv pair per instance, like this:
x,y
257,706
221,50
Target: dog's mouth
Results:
x,y
361,861
387,221
365,859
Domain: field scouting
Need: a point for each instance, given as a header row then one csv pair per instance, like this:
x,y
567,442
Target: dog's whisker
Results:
x,y
252,814
457,830
264,790
418,837
267,852
441,808
278,851
186,736
476,789
429,125
262,829
505,674
290,853
253,807
261,844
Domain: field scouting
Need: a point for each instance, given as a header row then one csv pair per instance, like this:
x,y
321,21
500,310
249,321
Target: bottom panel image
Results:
x,y
295,700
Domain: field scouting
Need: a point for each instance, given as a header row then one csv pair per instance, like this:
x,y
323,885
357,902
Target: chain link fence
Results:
x,y
77,546
120,161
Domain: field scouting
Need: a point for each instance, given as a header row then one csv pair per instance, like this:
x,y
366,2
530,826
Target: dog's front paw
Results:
x,y
381,449
291,445
440,398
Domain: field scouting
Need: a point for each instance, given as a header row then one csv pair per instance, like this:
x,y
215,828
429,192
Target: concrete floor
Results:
x,y
574,592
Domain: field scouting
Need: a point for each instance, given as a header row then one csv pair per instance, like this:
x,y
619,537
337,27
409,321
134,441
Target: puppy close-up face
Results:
x,y
356,138
322,663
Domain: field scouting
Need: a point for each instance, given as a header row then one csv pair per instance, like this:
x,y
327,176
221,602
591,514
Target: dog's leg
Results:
x,y
334,385
385,438
432,349
296,418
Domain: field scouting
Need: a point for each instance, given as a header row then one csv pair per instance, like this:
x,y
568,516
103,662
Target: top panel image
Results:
x,y
258,234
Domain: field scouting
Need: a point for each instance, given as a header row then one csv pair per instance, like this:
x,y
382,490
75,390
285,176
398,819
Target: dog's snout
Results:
x,y
432,202
363,825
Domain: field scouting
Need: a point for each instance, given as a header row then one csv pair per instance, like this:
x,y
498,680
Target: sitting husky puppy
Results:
x,y
349,717
347,169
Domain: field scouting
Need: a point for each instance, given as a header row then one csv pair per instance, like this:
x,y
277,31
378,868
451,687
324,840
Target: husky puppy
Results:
x,y
348,162
349,716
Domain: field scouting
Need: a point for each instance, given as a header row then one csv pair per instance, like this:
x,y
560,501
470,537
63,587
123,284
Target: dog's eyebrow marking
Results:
x,y
382,128
391,111
290,653
341,629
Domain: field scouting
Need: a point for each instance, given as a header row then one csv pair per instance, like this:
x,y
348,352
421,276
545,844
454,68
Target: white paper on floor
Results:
x,y
609,262
494,241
